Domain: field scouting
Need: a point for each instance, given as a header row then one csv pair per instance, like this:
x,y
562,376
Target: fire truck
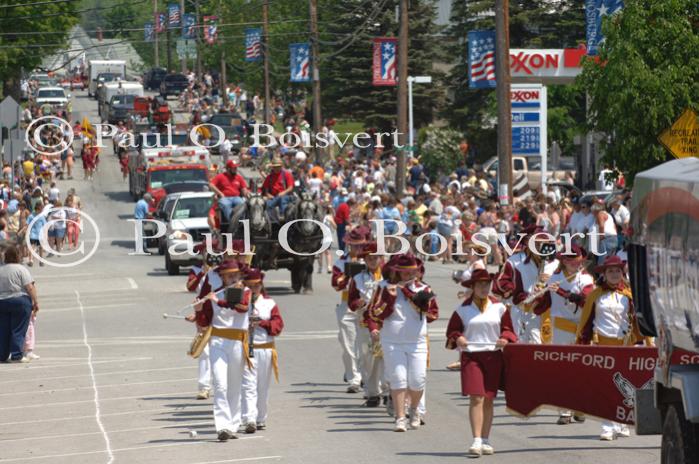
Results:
x,y
161,171
664,274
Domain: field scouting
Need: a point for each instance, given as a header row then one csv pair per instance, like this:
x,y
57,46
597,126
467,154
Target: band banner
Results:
x,y
385,63
160,22
189,29
300,62
595,380
481,59
595,10
173,15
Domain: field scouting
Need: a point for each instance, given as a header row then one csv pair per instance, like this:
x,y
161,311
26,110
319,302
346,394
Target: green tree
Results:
x,y
439,150
30,33
647,74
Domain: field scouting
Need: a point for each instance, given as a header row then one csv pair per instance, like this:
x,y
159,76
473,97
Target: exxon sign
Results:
x,y
525,98
547,66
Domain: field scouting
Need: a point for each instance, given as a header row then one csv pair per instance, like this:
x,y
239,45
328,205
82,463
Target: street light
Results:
x,y
417,80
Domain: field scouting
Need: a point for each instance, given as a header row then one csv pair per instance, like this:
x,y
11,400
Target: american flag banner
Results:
x,y
210,29
481,59
595,10
385,61
160,22
148,32
189,29
300,62
173,15
253,44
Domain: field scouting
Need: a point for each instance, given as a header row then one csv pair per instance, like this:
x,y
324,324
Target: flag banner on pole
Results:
x,y
300,62
253,44
160,22
210,29
148,32
385,63
595,10
173,15
481,59
189,23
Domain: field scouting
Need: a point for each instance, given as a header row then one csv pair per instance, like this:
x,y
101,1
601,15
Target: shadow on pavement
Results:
x,y
122,196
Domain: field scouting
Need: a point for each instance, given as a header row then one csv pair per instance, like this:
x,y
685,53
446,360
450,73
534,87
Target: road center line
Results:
x,y
119,398
59,365
120,385
62,377
132,282
94,381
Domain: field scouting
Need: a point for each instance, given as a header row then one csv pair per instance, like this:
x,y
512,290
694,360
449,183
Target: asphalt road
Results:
x,y
114,383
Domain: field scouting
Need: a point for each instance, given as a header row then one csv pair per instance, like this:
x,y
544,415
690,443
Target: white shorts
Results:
x,y
405,365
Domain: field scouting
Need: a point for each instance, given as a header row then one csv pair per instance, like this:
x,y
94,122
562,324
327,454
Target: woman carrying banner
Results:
x,y
404,309
565,296
228,346
266,323
480,328
608,318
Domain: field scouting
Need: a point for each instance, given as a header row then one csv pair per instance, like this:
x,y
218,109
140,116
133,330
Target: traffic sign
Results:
x,y
682,138
9,113
186,48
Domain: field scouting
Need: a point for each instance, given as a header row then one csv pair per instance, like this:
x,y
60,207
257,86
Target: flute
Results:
x,y
251,328
179,315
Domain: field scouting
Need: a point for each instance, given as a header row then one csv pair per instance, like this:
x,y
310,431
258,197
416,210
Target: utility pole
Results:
x,y
402,97
199,44
183,60
315,63
156,19
502,75
265,56
223,79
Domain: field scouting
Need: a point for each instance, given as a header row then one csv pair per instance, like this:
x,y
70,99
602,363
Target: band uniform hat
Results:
x,y
406,262
609,262
369,249
253,276
478,275
228,267
577,253
357,236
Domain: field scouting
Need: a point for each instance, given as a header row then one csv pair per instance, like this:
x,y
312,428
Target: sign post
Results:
x,y
529,123
682,138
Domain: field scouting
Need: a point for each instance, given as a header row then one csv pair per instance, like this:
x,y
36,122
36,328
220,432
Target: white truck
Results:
x,y
97,67
110,107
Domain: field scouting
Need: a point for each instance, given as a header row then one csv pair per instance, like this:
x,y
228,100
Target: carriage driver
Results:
x,y
278,185
230,188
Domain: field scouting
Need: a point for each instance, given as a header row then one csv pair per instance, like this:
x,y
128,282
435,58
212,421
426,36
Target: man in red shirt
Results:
x,y
230,187
277,186
342,218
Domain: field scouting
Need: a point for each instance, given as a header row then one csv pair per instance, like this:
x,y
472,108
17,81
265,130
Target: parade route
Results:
x,y
114,383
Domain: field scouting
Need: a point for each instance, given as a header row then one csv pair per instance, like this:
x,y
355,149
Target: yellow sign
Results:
x,y
682,138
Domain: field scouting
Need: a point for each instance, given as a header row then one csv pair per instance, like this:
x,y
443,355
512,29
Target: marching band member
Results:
x,y
480,328
474,261
195,280
362,288
608,318
266,323
348,321
405,309
228,347
567,290
523,276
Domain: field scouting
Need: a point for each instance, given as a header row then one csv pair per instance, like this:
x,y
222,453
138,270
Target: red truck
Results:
x,y
161,171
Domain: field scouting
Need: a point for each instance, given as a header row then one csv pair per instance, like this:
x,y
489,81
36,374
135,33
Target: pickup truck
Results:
x,y
531,167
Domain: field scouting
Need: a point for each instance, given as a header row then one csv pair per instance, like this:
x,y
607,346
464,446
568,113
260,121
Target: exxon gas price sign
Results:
x,y
546,66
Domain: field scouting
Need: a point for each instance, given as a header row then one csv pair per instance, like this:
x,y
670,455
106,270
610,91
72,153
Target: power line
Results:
x,y
87,10
36,3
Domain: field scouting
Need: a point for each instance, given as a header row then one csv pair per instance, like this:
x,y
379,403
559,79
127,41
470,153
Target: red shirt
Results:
x,y
342,214
275,184
229,185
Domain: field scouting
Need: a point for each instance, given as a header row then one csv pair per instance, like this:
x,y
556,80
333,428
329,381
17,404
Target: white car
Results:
x,y
185,215
54,96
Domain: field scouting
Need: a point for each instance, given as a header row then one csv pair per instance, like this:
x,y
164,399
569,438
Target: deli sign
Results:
x,y
546,66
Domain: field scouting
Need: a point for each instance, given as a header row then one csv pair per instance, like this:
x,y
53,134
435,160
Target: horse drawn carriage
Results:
x,y
281,241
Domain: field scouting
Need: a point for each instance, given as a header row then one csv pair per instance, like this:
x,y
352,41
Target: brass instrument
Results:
x,y
539,289
201,339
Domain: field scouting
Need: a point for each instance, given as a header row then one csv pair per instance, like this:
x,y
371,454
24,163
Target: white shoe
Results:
x,y
623,431
203,394
475,451
401,425
607,436
487,449
414,419
32,356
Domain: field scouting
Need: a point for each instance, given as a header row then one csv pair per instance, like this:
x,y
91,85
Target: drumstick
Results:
x,y
173,316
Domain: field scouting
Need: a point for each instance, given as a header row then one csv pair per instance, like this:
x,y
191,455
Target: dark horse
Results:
x,y
304,237
253,210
